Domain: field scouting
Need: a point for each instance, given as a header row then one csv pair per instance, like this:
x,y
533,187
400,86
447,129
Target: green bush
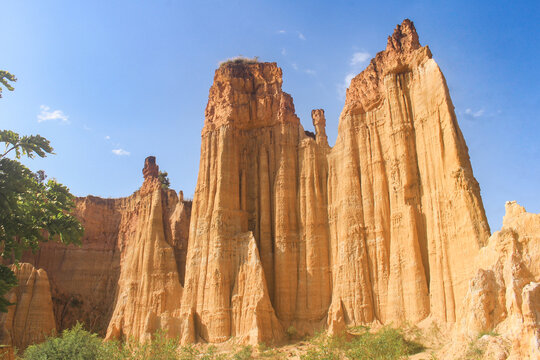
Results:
x,y
240,60
160,348
74,344
244,354
79,344
387,344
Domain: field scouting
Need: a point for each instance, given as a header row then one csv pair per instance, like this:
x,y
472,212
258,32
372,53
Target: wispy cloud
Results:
x,y
281,32
474,114
283,52
310,72
107,137
294,66
121,152
357,62
87,128
55,115
301,36
342,88
359,58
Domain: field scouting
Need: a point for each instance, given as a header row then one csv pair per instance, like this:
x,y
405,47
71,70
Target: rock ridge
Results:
x,y
286,232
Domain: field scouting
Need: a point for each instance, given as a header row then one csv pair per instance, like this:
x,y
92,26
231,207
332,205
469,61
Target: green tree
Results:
x,y
4,78
32,210
163,177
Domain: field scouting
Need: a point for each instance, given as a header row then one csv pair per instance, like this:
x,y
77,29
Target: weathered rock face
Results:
x,y
84,279
406,217
31,319
504,295
393,208
387,226
260,174
149,289
132,257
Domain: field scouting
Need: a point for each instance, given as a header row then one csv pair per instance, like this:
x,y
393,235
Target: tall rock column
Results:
x,y
30,319
259,177
405,211
149,291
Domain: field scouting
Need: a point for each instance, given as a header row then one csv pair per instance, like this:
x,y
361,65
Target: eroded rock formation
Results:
x,y
31,319
149,286
504,295
126,278
406,217
286,232
259,174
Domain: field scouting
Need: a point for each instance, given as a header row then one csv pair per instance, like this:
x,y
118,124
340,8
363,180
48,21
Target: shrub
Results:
x,y
74,344
387,344
240,60
188,352
160,348
244,354
79,344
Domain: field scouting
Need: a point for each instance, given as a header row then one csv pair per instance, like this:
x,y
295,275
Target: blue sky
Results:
x,y
111,82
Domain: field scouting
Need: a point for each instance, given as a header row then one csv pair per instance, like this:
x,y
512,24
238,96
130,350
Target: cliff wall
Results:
x,y
405,211
131,262
285,232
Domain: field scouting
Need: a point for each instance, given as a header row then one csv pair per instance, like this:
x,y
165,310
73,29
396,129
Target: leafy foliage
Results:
x,y
79,344
240,60
386,344
75,344
244,354
163,177
4,78
32,210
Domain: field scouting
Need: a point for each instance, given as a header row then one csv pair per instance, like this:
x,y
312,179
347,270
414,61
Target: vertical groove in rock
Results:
x,y
417,179
30,319
264,174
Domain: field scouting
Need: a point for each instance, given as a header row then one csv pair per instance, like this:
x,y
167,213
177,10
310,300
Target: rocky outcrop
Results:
x,y
504,295
31,318
406,217
84,279
260,173
133,252
392,212
149,289
286,233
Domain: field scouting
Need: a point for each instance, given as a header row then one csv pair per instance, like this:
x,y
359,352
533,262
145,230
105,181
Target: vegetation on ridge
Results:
x,y
240,60
77,343
32,210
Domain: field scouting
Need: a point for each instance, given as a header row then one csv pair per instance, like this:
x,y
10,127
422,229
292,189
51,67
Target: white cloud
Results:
x,y
310,72
281,32
120,152
359,58
474,114
342,88
46,115
107,137
356,63
301,36
283,52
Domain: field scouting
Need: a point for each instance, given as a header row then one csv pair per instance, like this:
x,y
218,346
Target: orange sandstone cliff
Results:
x,y
286,232
126,278
406,216
31,319
262,180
